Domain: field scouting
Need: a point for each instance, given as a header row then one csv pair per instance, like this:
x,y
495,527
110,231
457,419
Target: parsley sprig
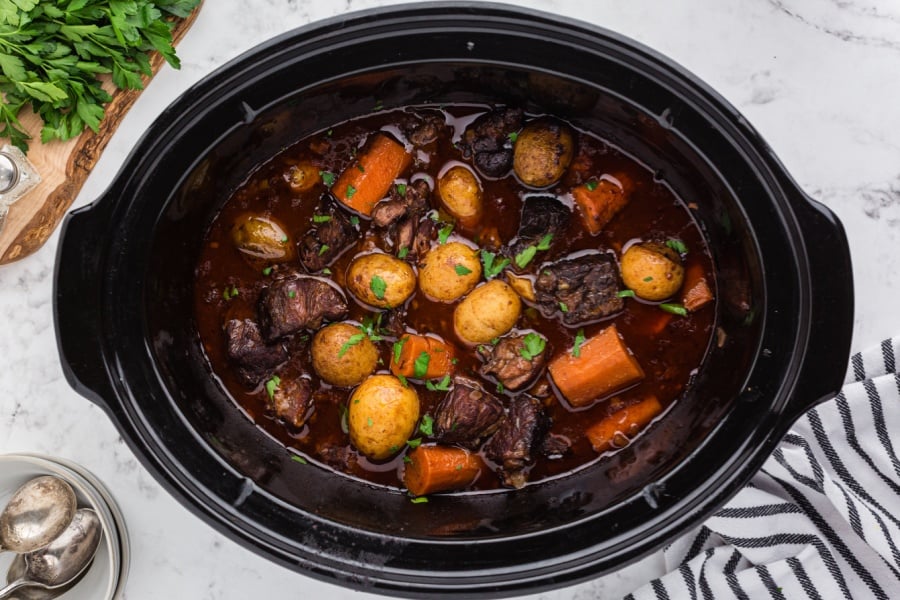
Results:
x,y
532,345
52,52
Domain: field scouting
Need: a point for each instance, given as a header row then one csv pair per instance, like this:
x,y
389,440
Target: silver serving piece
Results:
x,y
17,177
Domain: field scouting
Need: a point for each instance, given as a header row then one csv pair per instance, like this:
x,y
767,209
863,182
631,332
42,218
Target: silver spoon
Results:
x,y
37,513
17,569
65,558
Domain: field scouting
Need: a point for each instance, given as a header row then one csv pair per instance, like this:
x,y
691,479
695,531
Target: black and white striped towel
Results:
x,y
822,518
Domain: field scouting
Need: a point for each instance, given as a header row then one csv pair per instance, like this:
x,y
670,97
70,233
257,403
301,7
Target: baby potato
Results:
x,y
460,191
542,153
488,312
262,237
382,417
523,286
340,360
449,272
381,280
652,270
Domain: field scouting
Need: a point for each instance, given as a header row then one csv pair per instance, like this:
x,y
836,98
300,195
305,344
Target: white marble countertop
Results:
x,y
820,79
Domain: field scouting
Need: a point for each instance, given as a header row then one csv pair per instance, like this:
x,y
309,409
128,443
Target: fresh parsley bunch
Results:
x,y
51,52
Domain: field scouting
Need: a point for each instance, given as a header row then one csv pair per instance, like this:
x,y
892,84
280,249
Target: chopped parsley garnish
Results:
x,y
441,386
292,294
230,293
648,278
284,238
272,385
299,459
420,366
444,233
350,191
327,178
379,104
675,309
371,327
495,341
533,345
403,380
326,271
677,245
398,348
361,168
267,271
419,500
427,425
625,294
513,136
407,459
492,268
354,220
527,255
378,286
323,249
591,185
500,388
544,243
351,341
459,467
369,422
462,270
321,218
404,252
579,341
414,443
401,189
563,307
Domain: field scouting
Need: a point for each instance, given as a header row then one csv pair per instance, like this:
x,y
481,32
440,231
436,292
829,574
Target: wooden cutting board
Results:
x,y
64,167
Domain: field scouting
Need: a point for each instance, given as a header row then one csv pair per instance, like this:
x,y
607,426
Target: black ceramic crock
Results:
x,y
127,338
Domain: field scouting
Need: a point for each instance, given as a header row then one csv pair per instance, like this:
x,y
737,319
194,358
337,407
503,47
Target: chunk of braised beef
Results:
x,y
292,400
486,140
467,414
426,234
541,215
555,445
587,286
393,322
423,127
253,358
326,240
387,212
298,302
399,217
506,362
338,457
521,432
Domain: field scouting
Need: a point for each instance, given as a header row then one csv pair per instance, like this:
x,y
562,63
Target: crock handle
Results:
x,y
77,302
831,299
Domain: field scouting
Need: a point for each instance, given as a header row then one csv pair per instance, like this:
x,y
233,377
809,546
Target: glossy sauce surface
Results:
x,y
668,347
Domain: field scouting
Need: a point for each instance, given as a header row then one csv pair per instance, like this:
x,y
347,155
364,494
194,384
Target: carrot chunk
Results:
x,y
440,468
696,290
604,365
421,357
599,201
368,179
617,429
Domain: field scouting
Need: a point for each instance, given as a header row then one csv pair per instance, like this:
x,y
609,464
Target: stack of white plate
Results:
x,y
105,579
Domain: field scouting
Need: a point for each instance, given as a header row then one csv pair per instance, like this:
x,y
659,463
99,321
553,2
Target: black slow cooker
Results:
x,y
123,301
